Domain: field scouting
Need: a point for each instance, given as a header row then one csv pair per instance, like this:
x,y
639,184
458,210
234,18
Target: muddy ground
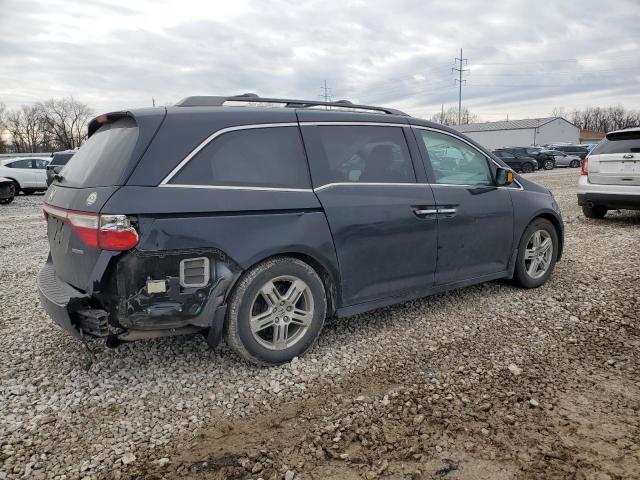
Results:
x,y
489,382
518,384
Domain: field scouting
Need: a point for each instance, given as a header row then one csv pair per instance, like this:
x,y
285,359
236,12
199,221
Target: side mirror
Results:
x,y
504,177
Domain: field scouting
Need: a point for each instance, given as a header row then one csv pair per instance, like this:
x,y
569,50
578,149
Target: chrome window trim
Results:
x,y
214,135
236,187
368,184
355,124
210,138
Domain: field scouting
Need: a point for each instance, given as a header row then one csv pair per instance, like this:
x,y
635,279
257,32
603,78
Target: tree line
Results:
x,y
601,119
56,124
450,116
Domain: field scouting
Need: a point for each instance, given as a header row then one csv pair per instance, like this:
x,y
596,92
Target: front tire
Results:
x,y
12,194
594,212
276,311
537,254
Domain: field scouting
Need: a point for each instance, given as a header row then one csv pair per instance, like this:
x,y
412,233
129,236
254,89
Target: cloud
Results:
x,y
524,57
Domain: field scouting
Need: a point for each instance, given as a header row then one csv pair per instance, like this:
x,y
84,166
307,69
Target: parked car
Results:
x,y
579,150
58,160
544,160
589,146
258,223
519,164
27,174
611,175
7,190
564,160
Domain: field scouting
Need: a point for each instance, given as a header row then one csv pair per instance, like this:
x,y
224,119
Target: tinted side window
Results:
x,y
26,163
257,157
454,162
369,154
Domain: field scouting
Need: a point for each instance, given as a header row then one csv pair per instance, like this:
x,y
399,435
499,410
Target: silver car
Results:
x,y
564,160
610,176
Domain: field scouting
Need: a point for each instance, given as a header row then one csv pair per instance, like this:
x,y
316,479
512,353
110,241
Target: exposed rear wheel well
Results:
x,y
556,224
330,283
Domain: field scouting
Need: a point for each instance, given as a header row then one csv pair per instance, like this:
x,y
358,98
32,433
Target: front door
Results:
x,y
475,219
381,219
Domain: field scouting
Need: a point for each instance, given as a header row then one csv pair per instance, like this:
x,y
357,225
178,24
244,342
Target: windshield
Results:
x,y
101,160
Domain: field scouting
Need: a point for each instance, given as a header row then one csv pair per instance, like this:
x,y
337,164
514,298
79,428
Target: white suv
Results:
x,y
611,174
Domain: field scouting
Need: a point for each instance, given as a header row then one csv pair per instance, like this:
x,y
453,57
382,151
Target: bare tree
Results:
x,y
450,116
27,129
605,119
3,112
66,121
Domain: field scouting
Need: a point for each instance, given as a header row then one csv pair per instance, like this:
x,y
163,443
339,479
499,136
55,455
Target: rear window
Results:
x,y
622,142
258,157
60,158
102,159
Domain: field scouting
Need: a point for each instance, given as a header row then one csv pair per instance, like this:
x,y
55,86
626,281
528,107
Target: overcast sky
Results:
x,y
525,57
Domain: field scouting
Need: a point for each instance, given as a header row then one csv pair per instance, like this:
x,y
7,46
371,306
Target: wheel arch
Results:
x,y
557,224
328,276
16,182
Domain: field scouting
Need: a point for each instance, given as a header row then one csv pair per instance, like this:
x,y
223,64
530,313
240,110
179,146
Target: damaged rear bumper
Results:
x,y
55,296
83,316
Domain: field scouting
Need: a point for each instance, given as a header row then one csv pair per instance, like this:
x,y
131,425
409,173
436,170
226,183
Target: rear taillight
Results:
x,y
116,233
107,232
583,166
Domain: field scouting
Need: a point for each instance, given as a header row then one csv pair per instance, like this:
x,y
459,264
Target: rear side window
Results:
x,y
623,142
365,154
21,164
103,157
257,157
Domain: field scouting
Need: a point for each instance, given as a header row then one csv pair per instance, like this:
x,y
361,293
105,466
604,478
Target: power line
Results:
x,y
459,80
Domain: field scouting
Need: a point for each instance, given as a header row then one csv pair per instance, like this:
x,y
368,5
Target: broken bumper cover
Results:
x,y
55,296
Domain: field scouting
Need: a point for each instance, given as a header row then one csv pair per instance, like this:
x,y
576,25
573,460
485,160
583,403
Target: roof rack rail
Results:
x,y
219,101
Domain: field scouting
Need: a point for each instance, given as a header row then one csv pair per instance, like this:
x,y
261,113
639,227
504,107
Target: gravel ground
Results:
x,y
487,382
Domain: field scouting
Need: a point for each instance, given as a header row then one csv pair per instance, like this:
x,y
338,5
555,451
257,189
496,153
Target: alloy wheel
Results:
x,y
281,312
538,253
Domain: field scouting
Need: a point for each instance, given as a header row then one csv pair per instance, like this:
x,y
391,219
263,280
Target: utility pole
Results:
x,y
459,80
326,94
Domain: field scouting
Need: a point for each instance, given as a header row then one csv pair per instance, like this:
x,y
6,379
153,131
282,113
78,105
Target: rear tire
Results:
x,y
574,163
276,311
527,168
595,211
537,254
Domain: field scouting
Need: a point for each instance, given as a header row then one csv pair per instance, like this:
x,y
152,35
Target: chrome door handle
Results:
x,y
425,211
447,210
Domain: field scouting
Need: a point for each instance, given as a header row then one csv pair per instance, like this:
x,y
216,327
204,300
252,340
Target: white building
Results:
x,y
522,133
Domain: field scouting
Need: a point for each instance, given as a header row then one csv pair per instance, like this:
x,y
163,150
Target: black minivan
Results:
x,y
256,223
